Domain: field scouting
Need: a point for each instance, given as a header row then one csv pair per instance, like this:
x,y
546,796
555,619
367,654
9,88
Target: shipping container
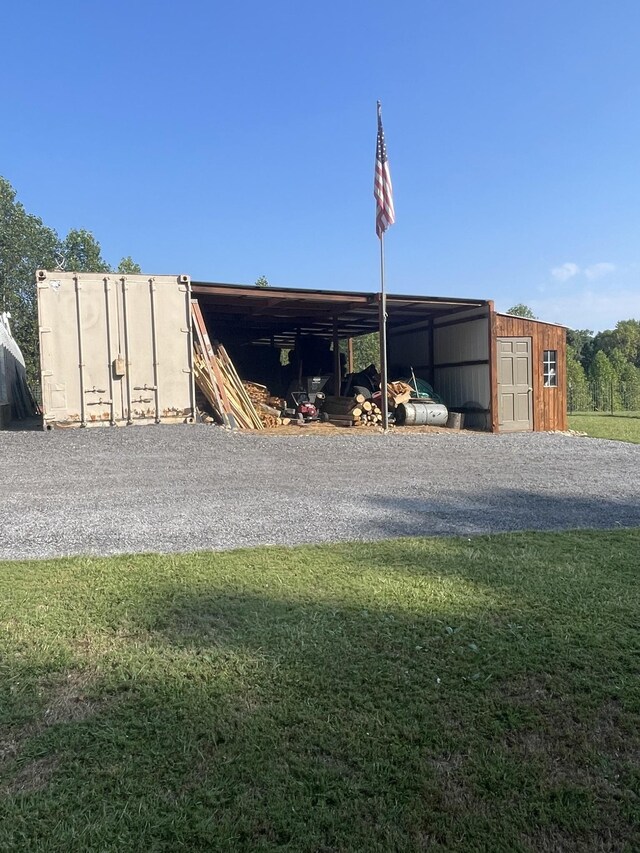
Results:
x,y
115,349
16,402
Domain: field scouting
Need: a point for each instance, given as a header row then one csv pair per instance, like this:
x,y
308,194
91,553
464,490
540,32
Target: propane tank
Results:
x,y
421,413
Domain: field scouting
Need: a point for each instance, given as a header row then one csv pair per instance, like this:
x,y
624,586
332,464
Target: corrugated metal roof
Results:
x,y
265,314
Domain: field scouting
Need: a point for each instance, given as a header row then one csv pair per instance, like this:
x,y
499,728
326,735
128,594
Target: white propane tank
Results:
x,y
422,413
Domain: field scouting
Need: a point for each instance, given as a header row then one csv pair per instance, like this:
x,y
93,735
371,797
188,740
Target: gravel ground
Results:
x,y
187,488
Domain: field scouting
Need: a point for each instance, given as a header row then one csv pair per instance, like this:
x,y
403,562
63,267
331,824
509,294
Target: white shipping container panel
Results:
x,y
115,349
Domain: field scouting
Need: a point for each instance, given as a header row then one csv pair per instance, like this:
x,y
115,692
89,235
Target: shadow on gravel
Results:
x,y
497,511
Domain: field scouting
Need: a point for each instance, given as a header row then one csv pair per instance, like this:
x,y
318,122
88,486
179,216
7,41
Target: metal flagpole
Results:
x,y
384,403
385,216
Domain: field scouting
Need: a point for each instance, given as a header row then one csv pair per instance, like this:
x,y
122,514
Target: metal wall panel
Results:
x,y
462,388
115,349
409,349
468,341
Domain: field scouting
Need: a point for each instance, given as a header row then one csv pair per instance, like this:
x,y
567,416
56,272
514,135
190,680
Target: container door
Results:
x,y
77,326
514,385
115,349
139,385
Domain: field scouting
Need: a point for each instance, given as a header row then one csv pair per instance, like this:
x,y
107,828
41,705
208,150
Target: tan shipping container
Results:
x,y
115,349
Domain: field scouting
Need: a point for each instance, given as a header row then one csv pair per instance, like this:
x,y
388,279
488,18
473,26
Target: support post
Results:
x,y
349,355
337,377
384,403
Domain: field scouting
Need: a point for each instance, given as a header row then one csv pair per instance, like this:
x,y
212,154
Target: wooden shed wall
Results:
x,y
549,404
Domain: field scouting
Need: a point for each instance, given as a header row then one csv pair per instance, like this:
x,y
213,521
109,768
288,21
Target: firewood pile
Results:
x,y
351,411
256,393
269,408
398,392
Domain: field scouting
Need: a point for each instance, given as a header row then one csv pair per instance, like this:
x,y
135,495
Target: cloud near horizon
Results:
x,y
565,271
569,270
594,309
599,270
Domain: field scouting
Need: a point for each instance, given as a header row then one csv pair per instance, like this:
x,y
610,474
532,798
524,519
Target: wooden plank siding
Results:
x,y
549,404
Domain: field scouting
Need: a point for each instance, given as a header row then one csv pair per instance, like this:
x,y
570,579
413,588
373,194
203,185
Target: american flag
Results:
x,y
382,189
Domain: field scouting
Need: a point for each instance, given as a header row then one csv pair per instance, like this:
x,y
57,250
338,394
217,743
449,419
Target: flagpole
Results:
x,y
384,403
385,216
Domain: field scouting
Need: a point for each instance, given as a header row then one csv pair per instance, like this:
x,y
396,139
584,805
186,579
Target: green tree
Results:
x,y
366,351
26,244
626,337
602,377
262,281
578,387
618,361
128,266
521,310
81,252
581,341
630,387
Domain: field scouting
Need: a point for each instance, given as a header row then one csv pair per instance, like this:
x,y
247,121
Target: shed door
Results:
x,y
514,384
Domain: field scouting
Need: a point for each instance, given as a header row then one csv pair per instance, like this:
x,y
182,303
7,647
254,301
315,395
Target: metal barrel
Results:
x,y
419,413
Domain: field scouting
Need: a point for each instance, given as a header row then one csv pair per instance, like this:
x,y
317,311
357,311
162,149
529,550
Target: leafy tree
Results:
x,y
26,244
366,351
579,395
262,281
618,361
602,375
521,310
128,266
581,342
81,252
626,336
630,387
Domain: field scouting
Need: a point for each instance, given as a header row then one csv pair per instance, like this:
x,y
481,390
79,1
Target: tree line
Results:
x,y
606,359
603,368
26,245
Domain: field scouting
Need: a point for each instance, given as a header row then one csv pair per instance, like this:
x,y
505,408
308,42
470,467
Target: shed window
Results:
x,y
550,368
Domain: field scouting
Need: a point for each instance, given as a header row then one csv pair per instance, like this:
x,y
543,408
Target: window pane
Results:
x,y
549,366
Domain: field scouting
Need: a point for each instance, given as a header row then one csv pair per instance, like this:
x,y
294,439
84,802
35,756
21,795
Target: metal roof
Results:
x,y
278,314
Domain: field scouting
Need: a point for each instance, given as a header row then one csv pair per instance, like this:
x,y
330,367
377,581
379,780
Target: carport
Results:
x,y
118,349
504,373
445,340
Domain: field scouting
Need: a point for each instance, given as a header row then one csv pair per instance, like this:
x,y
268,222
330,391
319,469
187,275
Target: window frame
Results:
x,y
550,368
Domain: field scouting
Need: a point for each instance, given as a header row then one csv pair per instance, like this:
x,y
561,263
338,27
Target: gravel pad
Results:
x,y
187,488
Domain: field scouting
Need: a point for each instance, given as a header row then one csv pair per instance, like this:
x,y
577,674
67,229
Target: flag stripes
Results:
x,y
382,189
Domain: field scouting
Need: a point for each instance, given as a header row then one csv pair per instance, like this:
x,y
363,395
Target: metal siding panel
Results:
x,y
410,348
466,342
464,386
61,338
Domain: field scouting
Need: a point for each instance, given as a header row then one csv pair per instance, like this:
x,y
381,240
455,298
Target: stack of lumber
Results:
x,y
351,411
218,380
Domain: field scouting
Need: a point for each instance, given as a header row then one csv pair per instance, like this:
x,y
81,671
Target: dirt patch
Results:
x,y
456,792
318,428
33,777
66,702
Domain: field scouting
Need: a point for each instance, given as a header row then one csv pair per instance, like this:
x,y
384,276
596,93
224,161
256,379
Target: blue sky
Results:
x,y
231,141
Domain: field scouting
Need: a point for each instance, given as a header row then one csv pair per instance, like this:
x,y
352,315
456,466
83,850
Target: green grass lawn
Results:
x,y
623,426
452,694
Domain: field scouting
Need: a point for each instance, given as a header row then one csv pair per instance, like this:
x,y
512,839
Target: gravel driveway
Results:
x,y
185,488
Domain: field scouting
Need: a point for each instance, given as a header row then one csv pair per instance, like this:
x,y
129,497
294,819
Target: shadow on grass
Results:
x,y
434,698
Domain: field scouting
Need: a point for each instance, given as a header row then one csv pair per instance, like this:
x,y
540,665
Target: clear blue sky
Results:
x,y
231,141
